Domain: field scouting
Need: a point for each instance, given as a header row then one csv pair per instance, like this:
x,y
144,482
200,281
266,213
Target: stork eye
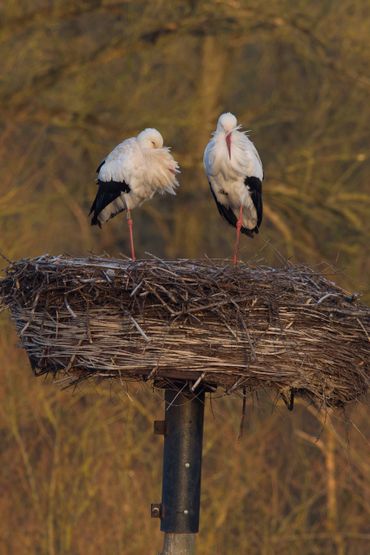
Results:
x,y
153,143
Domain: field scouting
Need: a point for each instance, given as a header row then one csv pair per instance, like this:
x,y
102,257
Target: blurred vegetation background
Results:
x,y
79,468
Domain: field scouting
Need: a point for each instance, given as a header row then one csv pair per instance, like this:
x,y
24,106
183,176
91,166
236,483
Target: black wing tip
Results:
x,y
100,166
253,181
247,232
250,232
95,221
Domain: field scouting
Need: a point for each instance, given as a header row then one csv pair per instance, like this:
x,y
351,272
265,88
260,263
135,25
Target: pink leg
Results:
x,y
239,225
129,221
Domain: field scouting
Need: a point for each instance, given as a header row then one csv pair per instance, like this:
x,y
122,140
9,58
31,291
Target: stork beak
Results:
x,y
228,143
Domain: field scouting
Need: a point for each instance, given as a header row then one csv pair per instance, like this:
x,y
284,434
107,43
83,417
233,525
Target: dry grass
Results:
x,y
241,328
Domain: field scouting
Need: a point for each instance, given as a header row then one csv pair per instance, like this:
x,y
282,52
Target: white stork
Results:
x,y
234,171
133,172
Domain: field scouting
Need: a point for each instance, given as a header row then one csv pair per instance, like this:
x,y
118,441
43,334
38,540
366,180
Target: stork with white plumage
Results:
x,y
235,174
133,172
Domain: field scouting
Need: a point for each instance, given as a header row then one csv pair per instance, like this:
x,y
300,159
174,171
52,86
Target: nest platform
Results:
x,y
236,328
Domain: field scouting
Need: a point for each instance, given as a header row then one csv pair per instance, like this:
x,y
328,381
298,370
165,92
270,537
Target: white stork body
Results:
x,y
133,172
235,174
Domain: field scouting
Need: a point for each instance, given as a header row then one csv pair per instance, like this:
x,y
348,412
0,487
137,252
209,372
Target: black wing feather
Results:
x,y
255,188
108,191
100,165
227,213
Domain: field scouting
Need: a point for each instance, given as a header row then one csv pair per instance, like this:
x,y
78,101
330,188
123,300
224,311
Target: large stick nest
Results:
x,y
239,328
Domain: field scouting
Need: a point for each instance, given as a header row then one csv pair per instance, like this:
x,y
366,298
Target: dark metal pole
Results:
x,y
182,463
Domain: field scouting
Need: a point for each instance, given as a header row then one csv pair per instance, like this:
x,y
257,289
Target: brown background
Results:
x,y
79,468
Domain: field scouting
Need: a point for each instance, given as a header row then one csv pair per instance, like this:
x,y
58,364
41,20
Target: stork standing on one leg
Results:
x,y
133,172
234,171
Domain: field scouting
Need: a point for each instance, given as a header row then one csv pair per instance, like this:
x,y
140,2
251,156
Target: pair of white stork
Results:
x,y
141,166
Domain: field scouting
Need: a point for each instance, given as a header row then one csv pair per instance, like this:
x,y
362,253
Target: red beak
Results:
x,y
228,143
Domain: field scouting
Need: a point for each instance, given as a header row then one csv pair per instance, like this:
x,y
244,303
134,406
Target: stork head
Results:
x,y
150,138
227,123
